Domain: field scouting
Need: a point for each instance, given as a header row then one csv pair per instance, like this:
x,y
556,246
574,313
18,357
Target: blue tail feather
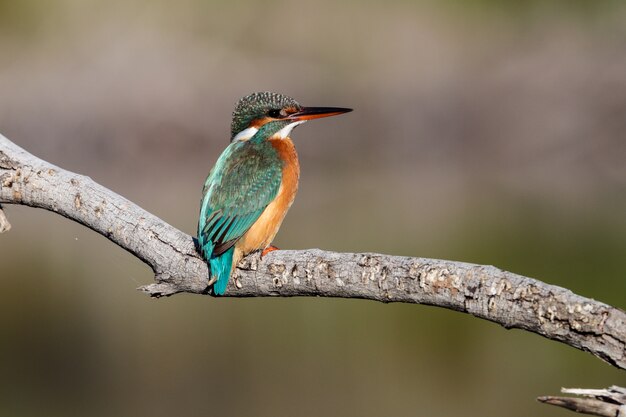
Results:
x,y
220,269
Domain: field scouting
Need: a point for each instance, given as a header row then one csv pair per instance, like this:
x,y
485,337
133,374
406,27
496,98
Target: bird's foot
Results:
x,y
267,250
212,281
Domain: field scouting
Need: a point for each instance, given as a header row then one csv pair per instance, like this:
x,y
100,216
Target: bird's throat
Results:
x,y
286,131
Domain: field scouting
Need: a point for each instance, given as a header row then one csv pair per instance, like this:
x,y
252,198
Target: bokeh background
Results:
x,y
484,131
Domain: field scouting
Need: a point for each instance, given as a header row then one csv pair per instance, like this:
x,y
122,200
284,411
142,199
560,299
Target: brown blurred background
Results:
x,y
484,131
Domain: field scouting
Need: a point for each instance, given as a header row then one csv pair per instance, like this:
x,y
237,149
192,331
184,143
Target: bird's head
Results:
x,y
270,115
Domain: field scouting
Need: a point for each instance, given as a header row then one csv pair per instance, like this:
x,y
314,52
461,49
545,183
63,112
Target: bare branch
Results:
x,y
610,402
487,292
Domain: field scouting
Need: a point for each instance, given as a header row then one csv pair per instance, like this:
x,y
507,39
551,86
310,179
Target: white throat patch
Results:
x,y
285,131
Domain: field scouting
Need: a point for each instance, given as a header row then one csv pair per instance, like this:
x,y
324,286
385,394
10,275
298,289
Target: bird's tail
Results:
x,y
220,269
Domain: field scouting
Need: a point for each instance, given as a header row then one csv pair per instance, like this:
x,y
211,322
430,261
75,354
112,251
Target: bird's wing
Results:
x,y
242,184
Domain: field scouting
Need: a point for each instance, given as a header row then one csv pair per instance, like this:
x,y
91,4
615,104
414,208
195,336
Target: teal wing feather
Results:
x,y
244,181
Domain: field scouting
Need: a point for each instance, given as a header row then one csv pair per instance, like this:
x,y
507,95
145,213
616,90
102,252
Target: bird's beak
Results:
x,y
310,113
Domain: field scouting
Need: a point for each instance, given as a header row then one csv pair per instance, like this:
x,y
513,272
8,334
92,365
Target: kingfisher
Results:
x,y
253,183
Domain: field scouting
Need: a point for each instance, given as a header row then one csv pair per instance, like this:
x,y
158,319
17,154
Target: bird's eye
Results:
x,y
277,113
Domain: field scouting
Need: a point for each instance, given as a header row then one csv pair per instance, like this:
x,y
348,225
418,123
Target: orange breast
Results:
x,y
261,234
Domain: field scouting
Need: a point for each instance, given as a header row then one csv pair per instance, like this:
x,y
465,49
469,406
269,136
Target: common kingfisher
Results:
x,y
253,183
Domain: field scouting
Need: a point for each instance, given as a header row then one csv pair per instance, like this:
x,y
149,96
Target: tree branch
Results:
x,y
610,402
510,300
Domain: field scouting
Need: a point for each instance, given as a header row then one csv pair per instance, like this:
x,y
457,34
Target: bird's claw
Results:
x,y
268,250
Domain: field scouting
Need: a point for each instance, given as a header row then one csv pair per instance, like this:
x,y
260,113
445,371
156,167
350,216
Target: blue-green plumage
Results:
x,y
244,181
221,266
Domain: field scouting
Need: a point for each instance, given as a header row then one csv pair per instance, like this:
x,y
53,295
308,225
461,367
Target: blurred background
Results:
x,y
484,131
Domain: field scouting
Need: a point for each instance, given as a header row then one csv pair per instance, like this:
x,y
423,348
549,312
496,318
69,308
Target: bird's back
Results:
x,y
245,179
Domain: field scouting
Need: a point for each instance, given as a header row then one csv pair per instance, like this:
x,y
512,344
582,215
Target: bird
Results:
x,y
253,183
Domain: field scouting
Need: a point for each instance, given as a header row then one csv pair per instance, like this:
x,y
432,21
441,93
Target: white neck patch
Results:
x,y
245,134
285,131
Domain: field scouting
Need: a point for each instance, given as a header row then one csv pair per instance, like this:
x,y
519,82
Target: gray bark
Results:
x,y
610,402
511,300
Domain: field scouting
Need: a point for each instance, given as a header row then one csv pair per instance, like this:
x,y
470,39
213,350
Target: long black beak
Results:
x,y
310,113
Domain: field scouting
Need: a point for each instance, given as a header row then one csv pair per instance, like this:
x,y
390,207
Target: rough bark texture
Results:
x,y
610,402
511,300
